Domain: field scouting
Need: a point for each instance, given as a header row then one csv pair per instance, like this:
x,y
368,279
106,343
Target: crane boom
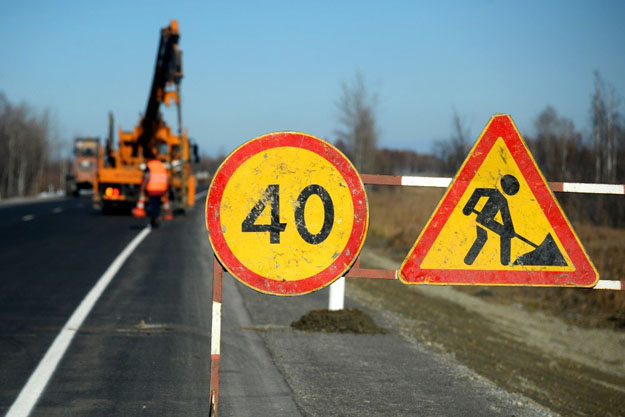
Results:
x,y
119,170
167,71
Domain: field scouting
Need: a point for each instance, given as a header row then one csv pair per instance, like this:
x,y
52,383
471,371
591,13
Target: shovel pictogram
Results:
x,y
546,254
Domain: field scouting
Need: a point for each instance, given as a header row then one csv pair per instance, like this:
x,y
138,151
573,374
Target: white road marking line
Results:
x,y
57,210
38,380
200,195
28,217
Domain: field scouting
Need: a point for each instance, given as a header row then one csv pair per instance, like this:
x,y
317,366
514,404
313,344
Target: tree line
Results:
x,y
565,154
27,145
30,162
562,152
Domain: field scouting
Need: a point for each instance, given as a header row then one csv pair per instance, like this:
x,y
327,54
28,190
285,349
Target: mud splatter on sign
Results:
x,y
499,224
287,213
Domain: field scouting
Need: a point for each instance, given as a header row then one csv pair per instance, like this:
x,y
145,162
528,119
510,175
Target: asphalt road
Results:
x,y
144,349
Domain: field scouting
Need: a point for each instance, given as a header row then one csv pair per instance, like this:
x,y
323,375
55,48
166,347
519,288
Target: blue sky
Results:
x,y
256,67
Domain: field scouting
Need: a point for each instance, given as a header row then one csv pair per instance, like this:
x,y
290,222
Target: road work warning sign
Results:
x,y
287,213
498,224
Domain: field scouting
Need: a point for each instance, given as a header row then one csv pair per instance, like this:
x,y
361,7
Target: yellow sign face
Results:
x,y
289,170
498,224
292,213
453,245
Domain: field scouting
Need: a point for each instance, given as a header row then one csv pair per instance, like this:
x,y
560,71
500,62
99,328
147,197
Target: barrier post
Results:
x,y
215,339
337,295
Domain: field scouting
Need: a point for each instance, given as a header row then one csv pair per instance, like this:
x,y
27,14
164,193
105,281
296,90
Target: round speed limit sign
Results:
x,y
286,213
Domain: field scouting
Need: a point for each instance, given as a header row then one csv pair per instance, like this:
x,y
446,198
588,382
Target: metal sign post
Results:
x,y
336,299
287,213
218,272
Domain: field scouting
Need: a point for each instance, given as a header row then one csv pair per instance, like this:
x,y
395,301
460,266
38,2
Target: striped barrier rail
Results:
x,y
443,182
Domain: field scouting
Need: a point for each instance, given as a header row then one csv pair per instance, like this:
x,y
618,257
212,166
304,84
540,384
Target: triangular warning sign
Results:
x,y
498,224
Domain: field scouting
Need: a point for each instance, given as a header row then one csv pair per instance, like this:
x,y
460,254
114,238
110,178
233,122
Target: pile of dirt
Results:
x,y
351,320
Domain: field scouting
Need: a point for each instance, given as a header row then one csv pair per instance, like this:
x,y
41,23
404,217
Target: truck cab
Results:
x,y
85,155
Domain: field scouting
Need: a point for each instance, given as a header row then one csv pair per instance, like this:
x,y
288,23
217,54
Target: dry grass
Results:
x,y
399,213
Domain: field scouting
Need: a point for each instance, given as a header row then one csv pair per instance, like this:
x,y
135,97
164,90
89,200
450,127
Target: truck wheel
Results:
x,y
70,188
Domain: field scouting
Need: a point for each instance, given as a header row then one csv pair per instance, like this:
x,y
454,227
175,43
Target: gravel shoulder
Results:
x,y
572,370
342,374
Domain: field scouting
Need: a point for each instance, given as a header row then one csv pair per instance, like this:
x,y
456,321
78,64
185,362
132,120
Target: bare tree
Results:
x,y
606,130
556,144
358,131
25,144
454,151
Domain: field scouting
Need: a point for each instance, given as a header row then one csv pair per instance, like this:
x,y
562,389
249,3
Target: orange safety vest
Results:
x,y
157,181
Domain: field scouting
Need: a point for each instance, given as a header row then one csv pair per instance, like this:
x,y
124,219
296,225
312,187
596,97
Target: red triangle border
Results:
x,y
500,125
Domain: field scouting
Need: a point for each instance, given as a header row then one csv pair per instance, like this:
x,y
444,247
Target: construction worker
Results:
x,y
495,204
155,184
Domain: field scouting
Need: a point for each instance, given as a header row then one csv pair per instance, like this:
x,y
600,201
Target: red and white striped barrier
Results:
x,y
336,301
443,182
357,272
218,272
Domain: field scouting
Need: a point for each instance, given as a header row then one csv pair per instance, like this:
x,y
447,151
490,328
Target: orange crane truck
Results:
x,y
119,172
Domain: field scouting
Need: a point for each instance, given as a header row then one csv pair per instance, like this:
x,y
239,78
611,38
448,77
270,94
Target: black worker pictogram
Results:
x,y
546,254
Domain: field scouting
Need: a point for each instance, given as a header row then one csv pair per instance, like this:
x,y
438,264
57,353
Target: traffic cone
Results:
x,y
167,213
139,211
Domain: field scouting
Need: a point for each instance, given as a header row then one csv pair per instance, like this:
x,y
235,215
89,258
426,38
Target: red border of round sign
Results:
x,y
213,218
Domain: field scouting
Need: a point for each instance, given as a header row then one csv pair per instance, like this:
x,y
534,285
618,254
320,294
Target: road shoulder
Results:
x,y
563,367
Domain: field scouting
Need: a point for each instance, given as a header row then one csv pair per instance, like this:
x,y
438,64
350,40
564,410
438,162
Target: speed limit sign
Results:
x,y
286,213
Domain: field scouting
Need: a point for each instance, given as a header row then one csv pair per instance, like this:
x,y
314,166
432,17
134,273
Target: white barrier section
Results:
x,y
425,181
574,187
609,285
337,295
